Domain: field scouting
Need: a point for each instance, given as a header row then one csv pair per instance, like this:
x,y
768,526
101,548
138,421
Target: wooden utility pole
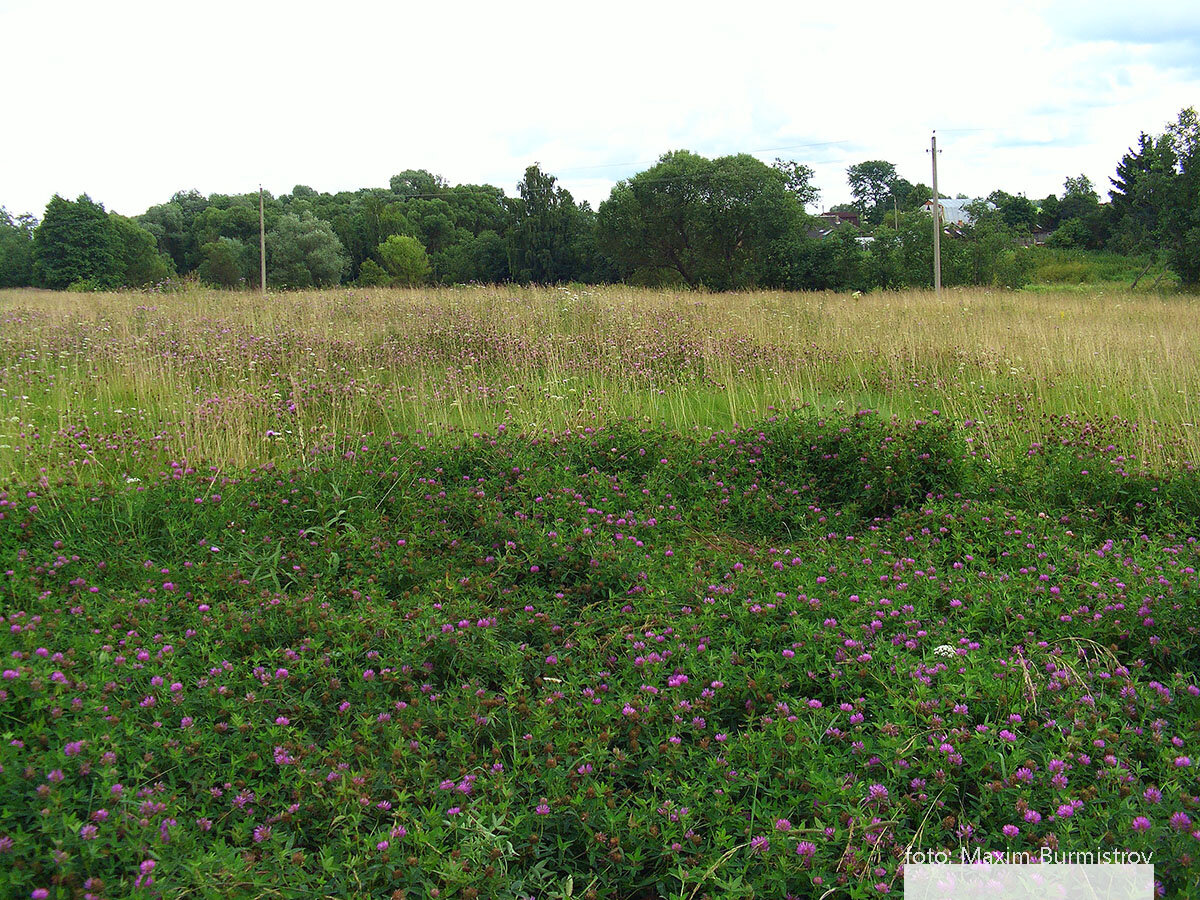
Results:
x,y
262,244
937,222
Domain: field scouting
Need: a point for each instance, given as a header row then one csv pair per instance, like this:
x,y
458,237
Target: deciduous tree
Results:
x,y
76,242
713,222
303,251
404,259
16,249
871,185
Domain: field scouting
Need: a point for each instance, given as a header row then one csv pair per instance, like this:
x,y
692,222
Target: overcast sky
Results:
x,y
132,101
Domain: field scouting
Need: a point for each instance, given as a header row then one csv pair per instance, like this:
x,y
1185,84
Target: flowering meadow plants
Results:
x,y
569,593
619,662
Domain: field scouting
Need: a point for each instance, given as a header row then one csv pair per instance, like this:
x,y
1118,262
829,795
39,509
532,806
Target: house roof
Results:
x,y
954,211
851,217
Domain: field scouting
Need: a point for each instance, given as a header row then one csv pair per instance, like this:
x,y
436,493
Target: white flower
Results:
x,y
944,650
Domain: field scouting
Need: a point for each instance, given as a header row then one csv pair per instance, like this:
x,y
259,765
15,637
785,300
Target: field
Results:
x,y
592,592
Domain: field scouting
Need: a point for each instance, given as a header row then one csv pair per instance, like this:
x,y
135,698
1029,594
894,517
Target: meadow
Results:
x,y
592,592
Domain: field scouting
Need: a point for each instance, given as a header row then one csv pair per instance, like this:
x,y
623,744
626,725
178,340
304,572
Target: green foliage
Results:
x,y
225,262
76,241
872,183
982,253
717,223
909,196
1071,234
303,251
727,223
1017,212
1048,213
904,257
613,664
1079,212
799,180
481,259
141,262
405,260
371,274
1012,267
1155,208
16,249
364,222
86,286
417,183
478,208
170,226
544,241
235,218
1062,266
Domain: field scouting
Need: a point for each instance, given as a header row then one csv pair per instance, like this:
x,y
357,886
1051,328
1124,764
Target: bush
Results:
x,y
371,274
85,286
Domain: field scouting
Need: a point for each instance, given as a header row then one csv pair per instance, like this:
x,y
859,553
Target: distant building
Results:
x,y
827,223
954,212
838,219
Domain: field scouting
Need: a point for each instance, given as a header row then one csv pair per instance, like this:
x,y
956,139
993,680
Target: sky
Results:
x,y
131,101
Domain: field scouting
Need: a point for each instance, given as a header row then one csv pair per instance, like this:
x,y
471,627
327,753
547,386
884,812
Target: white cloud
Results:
x,y
131,101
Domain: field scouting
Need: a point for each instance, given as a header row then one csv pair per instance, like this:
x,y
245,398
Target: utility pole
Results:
x,y
937,222
262,244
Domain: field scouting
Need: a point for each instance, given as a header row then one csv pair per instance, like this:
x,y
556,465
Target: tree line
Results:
x,y
727,223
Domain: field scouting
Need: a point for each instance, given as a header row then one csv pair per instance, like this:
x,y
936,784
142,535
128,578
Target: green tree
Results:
x,y
478,208
1048,213
798,178
303,251
76,242
1079,199
1017,212
225,262
871,184
418,183
910,196
1071,234
482,259
364,221
1139,194
404,259
990,253
903,257
723,223
141,263
432,221
171,224
542,242
16,249
1181,225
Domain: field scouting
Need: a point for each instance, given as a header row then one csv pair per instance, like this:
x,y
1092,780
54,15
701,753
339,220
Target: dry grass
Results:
x,y
227,378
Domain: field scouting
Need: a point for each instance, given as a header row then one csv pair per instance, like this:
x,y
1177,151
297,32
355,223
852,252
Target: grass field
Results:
x,y
592,592
226,378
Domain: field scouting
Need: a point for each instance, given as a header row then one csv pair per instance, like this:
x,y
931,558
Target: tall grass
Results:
x,y
123,383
